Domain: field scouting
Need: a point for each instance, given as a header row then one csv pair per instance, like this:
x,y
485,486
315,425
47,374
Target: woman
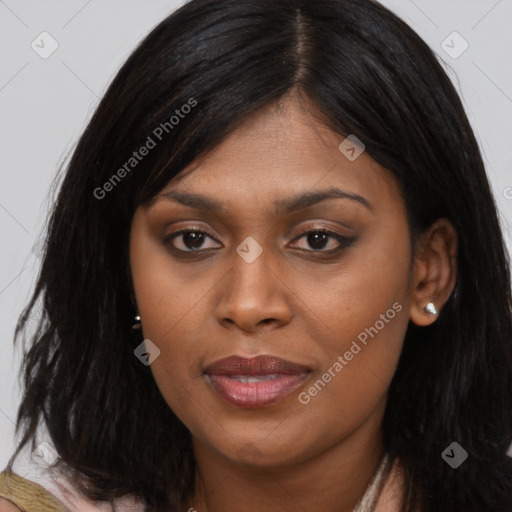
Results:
x,y
341,338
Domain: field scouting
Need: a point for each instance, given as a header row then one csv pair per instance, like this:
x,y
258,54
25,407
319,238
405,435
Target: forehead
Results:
x,y
281,151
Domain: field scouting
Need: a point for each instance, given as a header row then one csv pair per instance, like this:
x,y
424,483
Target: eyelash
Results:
x,y
344,241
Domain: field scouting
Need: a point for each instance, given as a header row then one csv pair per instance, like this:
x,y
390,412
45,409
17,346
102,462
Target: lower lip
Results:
x,y
256,394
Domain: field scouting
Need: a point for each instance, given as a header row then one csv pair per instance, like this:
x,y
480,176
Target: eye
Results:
x,y
189,240
318,239
193,240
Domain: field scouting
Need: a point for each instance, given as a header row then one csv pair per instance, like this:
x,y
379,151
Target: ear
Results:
x,y
434,270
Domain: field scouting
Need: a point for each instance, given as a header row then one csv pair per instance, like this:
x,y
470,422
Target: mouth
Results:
x,y
255,382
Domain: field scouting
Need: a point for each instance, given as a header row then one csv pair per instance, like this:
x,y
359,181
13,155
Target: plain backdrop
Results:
x,y
45,104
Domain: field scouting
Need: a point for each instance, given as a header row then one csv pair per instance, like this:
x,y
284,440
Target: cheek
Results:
x,y
169,295
361,321
175,327
174,322
359,359
356,298
165,300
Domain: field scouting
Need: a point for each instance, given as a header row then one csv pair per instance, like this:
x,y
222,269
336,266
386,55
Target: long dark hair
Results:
x,y
368,74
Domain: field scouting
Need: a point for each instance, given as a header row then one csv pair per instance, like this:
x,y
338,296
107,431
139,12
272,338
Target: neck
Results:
x,y
330,481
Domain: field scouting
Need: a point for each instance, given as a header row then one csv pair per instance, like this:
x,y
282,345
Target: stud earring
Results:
x,y
136,324
430,309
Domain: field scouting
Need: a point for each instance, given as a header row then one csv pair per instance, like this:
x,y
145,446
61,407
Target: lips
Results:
x,y
255,382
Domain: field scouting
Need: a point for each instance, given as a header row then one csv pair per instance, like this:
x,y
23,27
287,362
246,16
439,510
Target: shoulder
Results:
x,y
37,480
18,493
55,494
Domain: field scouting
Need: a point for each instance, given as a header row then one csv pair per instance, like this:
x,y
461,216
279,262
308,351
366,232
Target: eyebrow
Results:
x,y
287,205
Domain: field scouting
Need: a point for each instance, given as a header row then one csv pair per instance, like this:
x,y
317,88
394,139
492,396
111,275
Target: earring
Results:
x,y
136,324
430,309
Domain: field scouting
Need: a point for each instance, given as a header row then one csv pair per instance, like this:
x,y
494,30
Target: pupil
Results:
x,y
193,239
317,240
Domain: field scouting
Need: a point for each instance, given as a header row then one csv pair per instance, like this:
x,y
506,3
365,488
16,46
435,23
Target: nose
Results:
x,y
254,295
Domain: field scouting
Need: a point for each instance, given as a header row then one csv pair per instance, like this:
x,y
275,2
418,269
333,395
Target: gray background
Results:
x,y
45,104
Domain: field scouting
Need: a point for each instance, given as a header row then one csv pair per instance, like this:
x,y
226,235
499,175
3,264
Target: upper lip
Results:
x,y
259,365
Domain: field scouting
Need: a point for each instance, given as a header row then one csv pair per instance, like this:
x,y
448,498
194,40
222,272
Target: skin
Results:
x,y
294,301
7,506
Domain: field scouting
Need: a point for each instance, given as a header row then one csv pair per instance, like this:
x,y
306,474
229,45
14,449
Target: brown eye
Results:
x,y
188,240
318,239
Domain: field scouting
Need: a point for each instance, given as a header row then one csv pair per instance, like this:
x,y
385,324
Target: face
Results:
x,y
231,262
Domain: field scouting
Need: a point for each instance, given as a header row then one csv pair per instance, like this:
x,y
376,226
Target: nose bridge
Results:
x,y
253,291
251,268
